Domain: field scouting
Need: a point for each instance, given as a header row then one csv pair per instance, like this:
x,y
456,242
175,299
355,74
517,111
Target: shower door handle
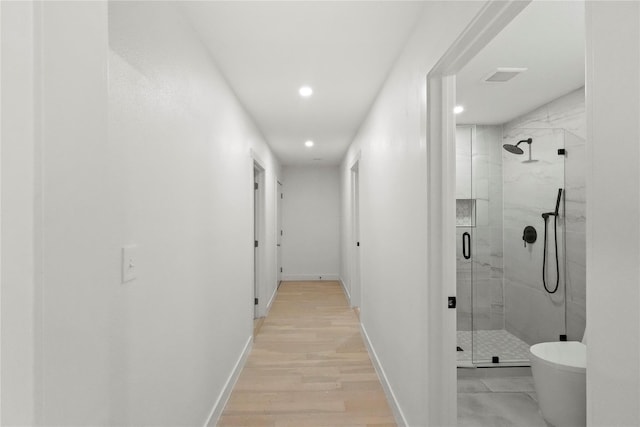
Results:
x,y
466,245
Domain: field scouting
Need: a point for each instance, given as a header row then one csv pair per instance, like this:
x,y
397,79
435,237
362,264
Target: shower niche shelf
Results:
x,y
465,212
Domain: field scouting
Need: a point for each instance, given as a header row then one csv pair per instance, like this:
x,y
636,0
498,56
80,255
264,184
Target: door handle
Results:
x,y
466,245
278,244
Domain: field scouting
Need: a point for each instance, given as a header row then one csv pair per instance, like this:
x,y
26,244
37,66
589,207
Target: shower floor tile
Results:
x,y
487,344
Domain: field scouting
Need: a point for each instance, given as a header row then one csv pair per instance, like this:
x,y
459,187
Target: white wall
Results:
x,y
188,149
18,220
613,213
143,143
311,223
393,208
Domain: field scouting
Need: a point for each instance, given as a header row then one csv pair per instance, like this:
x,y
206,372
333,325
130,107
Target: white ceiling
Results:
x,y
548,39
268,49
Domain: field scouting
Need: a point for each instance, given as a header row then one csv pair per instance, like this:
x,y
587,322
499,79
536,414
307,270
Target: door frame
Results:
x,y
279,231
355,293
258,171
440,322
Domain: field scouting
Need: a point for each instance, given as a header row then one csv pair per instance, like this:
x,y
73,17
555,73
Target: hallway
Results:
x,y
136,248
308,366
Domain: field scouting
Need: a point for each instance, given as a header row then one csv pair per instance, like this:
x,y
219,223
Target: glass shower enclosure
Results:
x,y
503,307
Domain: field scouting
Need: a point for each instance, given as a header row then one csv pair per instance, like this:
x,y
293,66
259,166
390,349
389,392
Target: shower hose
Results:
x,y
544,254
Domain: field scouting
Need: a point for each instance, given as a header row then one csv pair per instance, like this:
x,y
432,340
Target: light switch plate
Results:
x,y
129,259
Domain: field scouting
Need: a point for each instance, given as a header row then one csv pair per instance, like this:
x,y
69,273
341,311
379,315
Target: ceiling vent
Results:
x,y
501,75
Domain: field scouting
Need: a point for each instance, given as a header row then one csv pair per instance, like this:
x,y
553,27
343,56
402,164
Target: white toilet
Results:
x,y
559,374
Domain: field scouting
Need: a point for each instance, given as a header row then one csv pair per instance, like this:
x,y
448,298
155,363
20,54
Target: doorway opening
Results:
x,y
258,236
279,231
478,179
440,314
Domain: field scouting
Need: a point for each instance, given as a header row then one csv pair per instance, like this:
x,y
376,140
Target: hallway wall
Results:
x,y
393,209
18,260
143,143
311,223
186,148
613,213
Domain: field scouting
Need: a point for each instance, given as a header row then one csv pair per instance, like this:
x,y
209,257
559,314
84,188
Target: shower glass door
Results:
x,y
530,187
487,269
465,222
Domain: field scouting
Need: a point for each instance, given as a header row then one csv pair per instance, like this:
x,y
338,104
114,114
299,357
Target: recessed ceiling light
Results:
x,y
458,109
305,91
309,143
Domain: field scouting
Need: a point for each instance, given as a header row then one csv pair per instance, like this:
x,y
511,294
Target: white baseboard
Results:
x,y
308,277
273,297
388,391
346,291
218,407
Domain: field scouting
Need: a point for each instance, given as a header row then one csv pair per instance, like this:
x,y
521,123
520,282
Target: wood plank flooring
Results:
x,y
308,366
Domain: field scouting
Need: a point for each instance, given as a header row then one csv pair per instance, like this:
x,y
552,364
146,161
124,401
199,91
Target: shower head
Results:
x,y
514,148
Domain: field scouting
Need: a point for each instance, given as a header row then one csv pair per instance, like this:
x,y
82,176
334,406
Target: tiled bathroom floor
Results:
x,y
490,397
487,344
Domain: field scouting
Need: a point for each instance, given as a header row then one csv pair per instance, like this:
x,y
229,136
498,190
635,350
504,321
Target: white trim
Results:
x,y
257,159
1,217
222,399
355,263
440,323
273,297
355,159
440,375
346,291
260,228
494,16
382,376
278,226
309,277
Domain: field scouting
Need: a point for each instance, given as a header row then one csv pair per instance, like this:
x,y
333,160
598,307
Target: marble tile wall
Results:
x,y
479,177
530,189
575,234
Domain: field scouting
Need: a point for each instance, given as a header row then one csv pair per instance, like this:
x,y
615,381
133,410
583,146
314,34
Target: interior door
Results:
x,y
279,232
256,216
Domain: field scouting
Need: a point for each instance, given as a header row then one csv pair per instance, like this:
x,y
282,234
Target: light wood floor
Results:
x,y
308,366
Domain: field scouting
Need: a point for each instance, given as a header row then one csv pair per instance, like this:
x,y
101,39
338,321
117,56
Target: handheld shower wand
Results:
x,y
546,216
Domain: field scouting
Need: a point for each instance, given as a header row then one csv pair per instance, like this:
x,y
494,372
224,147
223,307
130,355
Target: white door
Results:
x,y
279,231
256,229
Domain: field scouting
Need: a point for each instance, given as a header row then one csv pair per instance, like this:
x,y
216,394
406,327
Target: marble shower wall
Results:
x,y
479,192
530,188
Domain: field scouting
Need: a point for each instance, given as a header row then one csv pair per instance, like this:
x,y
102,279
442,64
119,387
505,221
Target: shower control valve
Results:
x,y
529,235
